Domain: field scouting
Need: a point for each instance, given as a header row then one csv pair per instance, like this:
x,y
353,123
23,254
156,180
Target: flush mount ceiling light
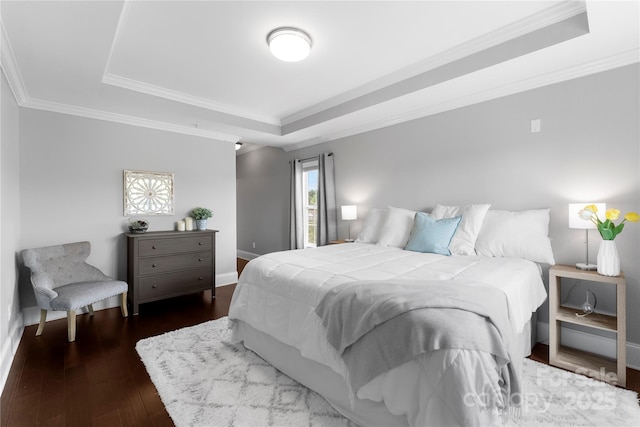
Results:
x,y
289,44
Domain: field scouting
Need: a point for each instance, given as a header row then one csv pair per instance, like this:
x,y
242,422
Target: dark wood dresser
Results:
x,y
165,264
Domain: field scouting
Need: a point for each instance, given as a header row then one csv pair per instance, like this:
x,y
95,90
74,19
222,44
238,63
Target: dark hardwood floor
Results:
x,y
99,379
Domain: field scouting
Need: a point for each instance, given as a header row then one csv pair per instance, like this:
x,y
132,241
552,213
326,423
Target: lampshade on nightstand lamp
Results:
x,y
576,221
349,213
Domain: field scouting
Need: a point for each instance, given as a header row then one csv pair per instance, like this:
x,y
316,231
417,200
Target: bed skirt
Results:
x,y
327,382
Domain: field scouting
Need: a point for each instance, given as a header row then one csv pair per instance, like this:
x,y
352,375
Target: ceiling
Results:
x,y
203,67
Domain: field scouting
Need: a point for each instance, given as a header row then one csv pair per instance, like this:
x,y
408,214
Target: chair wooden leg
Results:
x,y
71,325
123,305
43,319
90,308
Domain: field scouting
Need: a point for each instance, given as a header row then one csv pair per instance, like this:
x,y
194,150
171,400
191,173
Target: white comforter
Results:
x,y
277,294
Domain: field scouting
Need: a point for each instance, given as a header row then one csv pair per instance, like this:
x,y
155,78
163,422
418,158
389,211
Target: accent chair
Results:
x,y
63,280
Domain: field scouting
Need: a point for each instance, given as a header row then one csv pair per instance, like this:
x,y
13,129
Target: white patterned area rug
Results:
x,y
203,380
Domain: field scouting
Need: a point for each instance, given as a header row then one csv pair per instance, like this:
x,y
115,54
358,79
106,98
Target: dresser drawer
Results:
x,y
166,285
162,264
150,247
166,264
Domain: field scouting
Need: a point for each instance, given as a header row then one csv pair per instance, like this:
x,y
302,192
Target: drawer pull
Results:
x,y
153,265
200,243
154,286
153,247
199,259
200,278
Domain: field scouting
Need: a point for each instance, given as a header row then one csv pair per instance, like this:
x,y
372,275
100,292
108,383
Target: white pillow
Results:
x,y
464,241
372,226
523,234
397,227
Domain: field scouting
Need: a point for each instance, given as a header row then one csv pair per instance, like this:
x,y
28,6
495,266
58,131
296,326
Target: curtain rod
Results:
x,y
310,158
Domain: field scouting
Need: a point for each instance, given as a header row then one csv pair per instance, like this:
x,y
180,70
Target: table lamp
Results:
x,y
576,221
349,213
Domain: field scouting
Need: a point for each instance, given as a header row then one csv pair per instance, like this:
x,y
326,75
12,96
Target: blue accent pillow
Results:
x,y
432,235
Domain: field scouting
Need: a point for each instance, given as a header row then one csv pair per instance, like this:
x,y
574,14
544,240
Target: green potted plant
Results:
x,y
201,215
138,225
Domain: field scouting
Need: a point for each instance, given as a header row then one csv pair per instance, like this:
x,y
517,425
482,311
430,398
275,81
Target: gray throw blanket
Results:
x,y
377,325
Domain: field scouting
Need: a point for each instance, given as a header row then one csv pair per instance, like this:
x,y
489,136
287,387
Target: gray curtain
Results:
x,y
296,200
327,212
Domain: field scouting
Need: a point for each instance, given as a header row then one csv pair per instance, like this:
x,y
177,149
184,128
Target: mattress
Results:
x,y
277,293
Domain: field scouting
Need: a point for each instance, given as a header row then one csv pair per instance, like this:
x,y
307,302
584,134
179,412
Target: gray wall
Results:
x,y
263,202
588,150
10,319
71,185
61,181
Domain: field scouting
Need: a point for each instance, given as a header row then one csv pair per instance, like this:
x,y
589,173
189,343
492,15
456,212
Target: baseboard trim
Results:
x,y
226,278
31,315
247,255
597,344
9,349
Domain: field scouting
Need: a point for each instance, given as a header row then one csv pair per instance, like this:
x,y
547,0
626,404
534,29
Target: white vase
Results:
x,y
201,224
608,258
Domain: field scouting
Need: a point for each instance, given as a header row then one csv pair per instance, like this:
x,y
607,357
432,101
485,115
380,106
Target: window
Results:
x,y
310,191
313,220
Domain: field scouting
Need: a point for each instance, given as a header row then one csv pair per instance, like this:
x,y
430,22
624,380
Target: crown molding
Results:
x,y
184,98
615,61
173,95
128,120
16,83
124,13
545,18
249,147
10,67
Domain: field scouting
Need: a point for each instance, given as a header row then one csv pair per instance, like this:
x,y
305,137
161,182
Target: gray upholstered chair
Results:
x,y
62,280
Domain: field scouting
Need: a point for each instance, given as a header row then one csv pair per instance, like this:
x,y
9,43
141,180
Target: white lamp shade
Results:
x,y
349,212
576,221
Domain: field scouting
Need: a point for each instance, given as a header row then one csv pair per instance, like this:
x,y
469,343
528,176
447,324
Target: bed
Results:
x,y
282,309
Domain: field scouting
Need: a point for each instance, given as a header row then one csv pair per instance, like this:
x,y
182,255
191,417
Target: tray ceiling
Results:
x,y
204,68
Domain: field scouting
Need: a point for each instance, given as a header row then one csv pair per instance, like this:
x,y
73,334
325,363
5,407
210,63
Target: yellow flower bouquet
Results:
x,y
608,230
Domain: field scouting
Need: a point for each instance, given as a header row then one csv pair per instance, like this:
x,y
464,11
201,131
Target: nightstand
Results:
x,y
592,365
